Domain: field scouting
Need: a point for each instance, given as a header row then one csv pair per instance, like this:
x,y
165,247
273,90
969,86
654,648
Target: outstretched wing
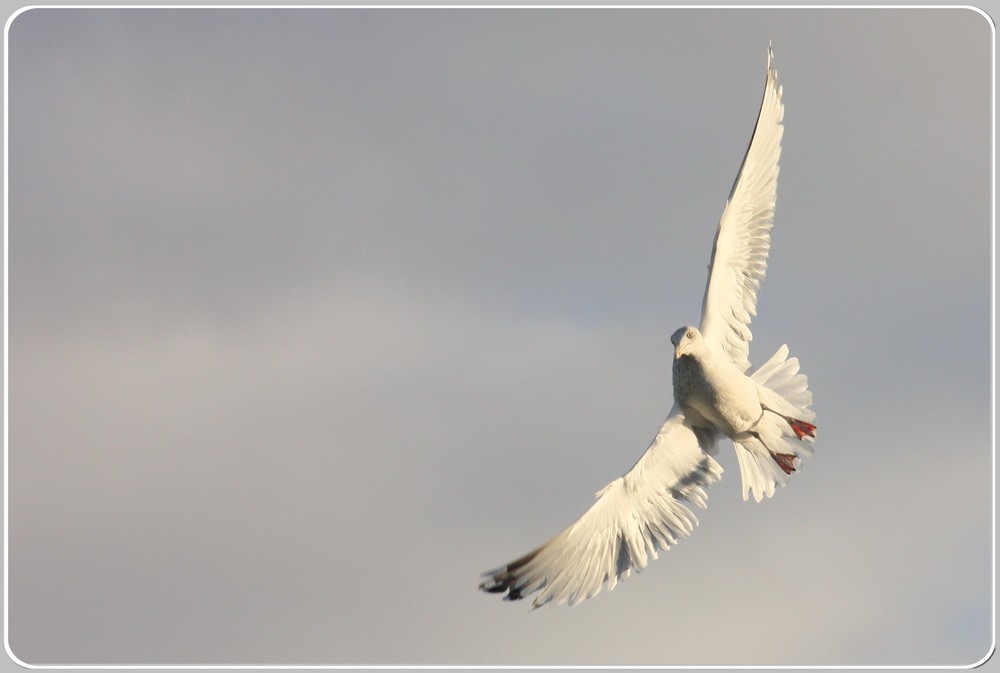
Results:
x,y
739,254
634,516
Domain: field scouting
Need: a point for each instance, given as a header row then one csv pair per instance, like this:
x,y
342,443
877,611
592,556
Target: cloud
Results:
x,y
316,315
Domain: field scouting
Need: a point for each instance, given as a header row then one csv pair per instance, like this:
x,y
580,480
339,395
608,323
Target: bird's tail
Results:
x,y
785,432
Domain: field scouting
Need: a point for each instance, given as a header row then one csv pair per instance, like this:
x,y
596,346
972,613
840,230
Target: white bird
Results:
x,y
766,415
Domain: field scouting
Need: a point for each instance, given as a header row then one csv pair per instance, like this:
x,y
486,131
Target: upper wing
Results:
x,y
739,254
634,516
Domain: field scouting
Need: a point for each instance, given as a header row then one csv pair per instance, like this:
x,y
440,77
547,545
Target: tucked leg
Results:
x,y
800,428
786,461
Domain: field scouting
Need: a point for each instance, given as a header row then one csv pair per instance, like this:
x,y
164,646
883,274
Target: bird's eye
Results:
x,y
690,335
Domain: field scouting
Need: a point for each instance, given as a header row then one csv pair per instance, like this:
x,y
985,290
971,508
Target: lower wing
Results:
x,y
635,516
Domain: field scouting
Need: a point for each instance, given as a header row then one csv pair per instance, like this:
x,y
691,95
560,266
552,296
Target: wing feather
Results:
x,y
634,517
743,239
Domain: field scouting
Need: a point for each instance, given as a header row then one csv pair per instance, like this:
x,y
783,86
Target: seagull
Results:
x,y
767,414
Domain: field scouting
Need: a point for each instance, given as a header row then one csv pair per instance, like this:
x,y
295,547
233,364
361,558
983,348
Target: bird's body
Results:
x,y
716,396
766,414
712,392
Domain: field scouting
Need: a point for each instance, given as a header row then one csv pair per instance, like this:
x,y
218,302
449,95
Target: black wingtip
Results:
x,y
507,578
501,580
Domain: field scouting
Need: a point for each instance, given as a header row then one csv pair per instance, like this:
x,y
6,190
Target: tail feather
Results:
x,y
788,431
760,473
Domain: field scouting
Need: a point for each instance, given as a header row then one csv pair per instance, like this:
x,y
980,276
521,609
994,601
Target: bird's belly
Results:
x,y
730,405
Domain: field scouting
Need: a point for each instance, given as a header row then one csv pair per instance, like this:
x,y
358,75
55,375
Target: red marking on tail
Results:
x,y
786,461
802,429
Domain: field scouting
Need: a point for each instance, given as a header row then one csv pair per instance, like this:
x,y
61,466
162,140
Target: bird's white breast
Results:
x,y
721,395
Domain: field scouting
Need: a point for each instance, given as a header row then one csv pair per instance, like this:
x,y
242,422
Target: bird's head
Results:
x,y
686,341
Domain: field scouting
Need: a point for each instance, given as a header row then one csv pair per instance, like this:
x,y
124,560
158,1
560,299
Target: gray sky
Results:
x,y
316,315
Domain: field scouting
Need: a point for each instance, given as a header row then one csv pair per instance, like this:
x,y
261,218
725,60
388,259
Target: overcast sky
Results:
x,y
316,315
